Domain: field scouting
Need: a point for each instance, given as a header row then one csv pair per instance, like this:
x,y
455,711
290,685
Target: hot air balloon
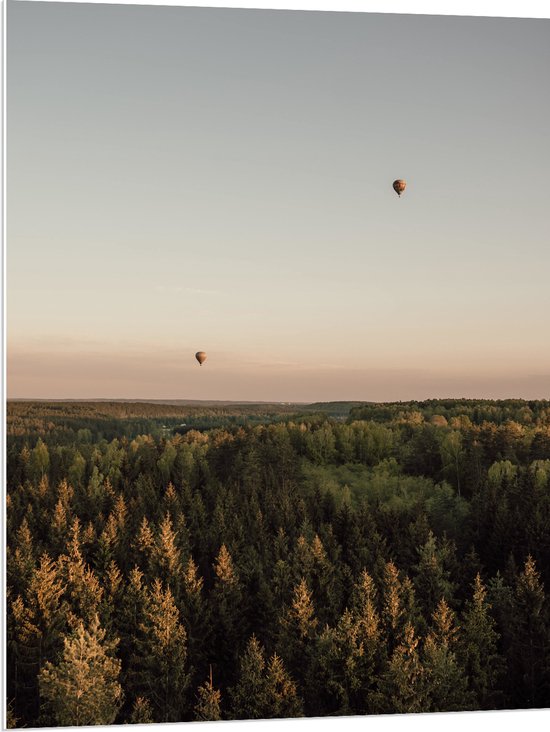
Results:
x,y
399,186
200,356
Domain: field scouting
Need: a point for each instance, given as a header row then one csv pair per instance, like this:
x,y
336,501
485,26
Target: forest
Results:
x,y
172,562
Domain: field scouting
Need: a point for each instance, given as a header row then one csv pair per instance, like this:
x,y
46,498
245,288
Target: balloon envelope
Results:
x,y
399,186
200,356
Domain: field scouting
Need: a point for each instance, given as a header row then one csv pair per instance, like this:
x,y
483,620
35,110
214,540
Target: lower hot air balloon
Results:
x,y
399,186
201,357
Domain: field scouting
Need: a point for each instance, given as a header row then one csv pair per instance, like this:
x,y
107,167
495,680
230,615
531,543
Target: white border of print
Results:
x,y
498,8
534,720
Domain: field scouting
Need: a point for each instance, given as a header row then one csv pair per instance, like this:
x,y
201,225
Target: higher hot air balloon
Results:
x,y
200,356
399,186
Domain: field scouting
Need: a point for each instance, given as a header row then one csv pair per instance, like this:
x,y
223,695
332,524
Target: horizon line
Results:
x,y
273,401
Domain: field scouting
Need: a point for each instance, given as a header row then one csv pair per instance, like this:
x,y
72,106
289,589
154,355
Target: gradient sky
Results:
x,y
188,178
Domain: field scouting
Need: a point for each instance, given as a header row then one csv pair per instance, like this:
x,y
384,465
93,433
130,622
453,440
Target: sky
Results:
x,y
184,179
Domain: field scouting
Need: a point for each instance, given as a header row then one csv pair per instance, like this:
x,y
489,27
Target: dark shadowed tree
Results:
x,y
478,649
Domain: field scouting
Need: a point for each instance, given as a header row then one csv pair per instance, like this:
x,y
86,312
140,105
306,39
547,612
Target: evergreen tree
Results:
x,y
298,632
83,687
145,543
21,559
11,720
282,699
227,599
371,652
141,712
83,589
324,582
530,638
39,623
432,581
166,557
402,687
393,612
263,691
129,618
333,666
196,614
113,596
158,665
348,657
249,696
478,649
208,706
444,678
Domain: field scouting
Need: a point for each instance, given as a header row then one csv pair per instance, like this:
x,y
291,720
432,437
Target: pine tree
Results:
x,y
352,530
444,678
113,594
24,660
24,459
208,706
21,559
302,561
83,687
478,649
298,632
370,650
348,657
171,500
59,526
223,567
282,700
12,720
196,613
432,580
249,696
83,588
132,609
145,543
263,691
393,610
301,615
166,557
39,622
530,640
402,687
333,668
281,582
324,582
117,538
141,712
158,667
227,600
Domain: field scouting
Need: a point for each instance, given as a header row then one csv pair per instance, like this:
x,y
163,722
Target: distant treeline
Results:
x,y
272,564
69,420
476,410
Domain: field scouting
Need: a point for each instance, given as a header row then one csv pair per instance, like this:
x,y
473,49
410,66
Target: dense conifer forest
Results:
x,y
171,562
